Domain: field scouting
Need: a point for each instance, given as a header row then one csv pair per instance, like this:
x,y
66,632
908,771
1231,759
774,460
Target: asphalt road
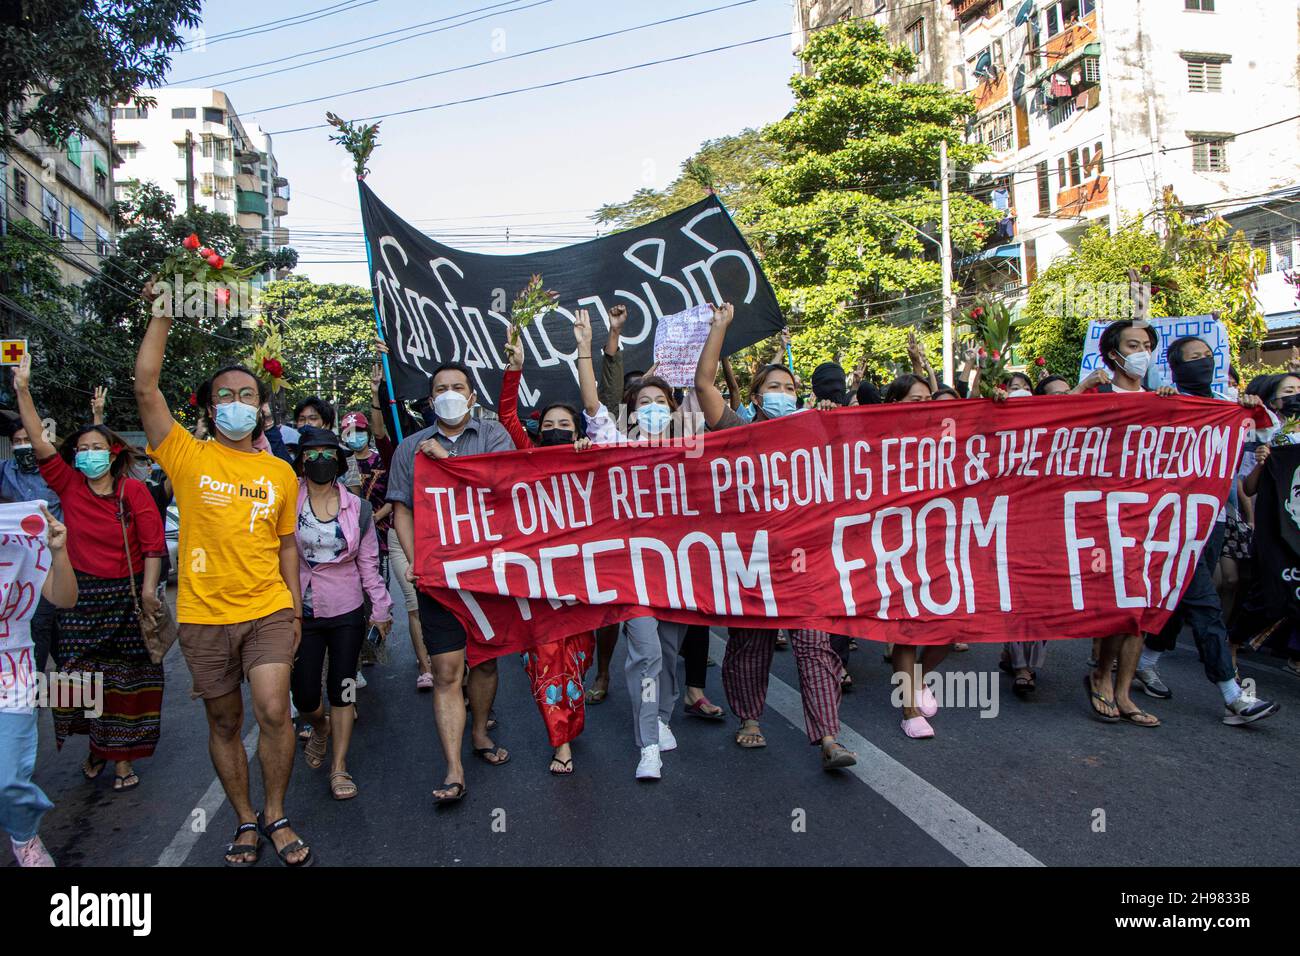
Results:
x,y
1039,783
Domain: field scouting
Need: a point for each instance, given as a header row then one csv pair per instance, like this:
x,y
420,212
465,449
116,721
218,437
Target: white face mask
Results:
x,y
1137,364
1019,393
450,407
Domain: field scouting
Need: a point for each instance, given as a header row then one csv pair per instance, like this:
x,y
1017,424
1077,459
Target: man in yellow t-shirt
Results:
x,y
238,602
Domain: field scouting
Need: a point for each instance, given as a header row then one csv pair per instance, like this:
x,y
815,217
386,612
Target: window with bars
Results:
x,y
1092,69
1276,246
996,131
208,184
212,115
103,244
1044,188
130,112
1204,6
221,149
207,146
128,150
1204,75
1209,154
914,36
50,212
184,112
20,187
101,185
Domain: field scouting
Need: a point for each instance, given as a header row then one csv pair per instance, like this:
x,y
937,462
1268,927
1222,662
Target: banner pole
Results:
x,y
379,326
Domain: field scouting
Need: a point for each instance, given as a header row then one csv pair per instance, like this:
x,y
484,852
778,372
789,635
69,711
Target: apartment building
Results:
x,y
1091,107
193,144
66,190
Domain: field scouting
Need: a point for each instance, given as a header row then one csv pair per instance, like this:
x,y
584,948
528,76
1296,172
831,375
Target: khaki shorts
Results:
x,y
397,564
221,655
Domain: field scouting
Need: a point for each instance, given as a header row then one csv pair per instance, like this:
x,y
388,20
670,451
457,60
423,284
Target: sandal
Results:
x,y
316,747
304,735
120,784
249,853
751,739
838,757
700,709
595,696
452,793
341,785
496,751
1136,718
1022,687
1094,698
566,765
289,847
92,768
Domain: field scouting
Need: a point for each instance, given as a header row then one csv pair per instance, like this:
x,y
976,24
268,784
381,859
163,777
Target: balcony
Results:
x,y
248,182
280,236
251,202
1076,200
279,205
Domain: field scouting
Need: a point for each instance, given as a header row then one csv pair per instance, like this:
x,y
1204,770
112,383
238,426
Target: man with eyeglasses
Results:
x,y
238,602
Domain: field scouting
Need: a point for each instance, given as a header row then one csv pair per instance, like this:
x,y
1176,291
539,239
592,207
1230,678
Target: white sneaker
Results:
x,y
650,765
32,853
361,680
667,741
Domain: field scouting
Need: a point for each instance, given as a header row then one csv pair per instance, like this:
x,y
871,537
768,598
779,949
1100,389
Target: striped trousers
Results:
x,y
748,660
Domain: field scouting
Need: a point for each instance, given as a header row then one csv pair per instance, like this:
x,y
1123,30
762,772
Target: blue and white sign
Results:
x,y
1205,327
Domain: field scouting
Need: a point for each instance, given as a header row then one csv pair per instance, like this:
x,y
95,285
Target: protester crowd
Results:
x,y
297,539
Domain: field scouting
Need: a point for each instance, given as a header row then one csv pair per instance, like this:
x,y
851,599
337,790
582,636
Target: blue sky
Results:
x,y
536,163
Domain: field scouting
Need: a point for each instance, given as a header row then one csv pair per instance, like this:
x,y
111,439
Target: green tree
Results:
x,y
729,165
843,219
327,330
41,309
64,58
150,229
1193,268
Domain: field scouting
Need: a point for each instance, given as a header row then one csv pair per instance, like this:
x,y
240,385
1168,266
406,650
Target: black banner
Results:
x,y
437,303
1277,530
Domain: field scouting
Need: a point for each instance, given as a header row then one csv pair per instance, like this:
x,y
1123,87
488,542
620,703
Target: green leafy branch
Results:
x,y
359,141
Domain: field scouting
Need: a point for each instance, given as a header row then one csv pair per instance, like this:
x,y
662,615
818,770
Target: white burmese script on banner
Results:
x,y
24,563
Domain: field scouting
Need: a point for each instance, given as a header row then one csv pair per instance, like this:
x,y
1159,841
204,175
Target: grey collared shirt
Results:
x,y
478,437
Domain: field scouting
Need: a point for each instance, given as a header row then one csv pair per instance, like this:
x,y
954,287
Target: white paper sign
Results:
x,y
24,563
679,339
1169,329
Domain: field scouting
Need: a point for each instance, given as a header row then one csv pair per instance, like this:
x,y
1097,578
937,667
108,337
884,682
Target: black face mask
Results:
x,y
1290,406
556,436
323,471
1194,377
25,459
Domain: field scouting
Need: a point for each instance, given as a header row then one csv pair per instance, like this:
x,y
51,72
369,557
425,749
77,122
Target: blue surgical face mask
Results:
x,y
94,463
236,420
653,418
357,441
776,404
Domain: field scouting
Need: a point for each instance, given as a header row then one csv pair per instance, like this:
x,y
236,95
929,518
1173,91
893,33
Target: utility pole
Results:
x,y
945,260
189,171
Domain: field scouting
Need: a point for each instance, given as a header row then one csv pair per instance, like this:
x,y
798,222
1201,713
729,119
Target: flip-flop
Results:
x,y
1131,718
1094,696
456,797
567,764
119,778
596,696
494,750
1023,686
697,710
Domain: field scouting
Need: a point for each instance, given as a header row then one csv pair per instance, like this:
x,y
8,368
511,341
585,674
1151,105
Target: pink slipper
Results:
x,y
927,705
424,682
918,728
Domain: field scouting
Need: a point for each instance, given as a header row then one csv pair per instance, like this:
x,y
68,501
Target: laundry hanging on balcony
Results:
x,y
1060,87
1000,199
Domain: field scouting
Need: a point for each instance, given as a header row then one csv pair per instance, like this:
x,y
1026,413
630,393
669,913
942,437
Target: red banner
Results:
x,y
1040,518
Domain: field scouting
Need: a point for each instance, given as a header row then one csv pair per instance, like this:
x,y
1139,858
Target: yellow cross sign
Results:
x,y
12,351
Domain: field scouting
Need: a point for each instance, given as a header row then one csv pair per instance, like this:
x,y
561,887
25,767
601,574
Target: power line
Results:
x,y
502,59
336,46
347,6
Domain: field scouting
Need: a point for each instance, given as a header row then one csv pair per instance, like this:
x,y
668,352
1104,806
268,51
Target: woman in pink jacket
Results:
x,y
338,566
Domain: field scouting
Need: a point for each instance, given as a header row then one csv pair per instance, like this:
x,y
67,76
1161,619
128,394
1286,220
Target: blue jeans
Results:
x,y
1200,608
22,803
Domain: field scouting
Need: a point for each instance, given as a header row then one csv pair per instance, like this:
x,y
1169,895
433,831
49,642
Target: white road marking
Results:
x,y
178,851
943,819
